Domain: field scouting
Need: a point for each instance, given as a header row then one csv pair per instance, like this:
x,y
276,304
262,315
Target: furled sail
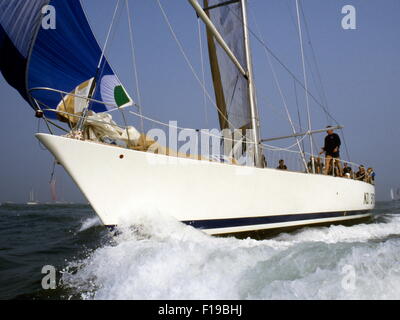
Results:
x,y
63,57
230,86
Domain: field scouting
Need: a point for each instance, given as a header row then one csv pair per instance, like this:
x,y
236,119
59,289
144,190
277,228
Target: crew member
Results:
x,y
282,165
331,150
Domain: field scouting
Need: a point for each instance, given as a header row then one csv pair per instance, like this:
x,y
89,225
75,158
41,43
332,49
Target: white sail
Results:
x,y
32,200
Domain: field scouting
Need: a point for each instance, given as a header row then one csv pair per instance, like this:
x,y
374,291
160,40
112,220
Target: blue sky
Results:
x,y
359,68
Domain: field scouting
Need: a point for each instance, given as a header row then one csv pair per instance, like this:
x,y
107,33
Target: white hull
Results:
x,y
218,198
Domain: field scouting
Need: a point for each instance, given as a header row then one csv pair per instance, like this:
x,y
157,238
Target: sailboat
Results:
x,y
32,200
64,75
395,194
55,200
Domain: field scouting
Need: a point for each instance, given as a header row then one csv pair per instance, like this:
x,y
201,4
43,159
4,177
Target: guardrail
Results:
x,y
294,160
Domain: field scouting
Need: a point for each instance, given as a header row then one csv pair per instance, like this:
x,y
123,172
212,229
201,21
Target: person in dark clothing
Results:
x,y
331,150
282,165
347,171
361,174
371,176
264,161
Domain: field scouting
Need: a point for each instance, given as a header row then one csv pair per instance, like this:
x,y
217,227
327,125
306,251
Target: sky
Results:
x,y
359,71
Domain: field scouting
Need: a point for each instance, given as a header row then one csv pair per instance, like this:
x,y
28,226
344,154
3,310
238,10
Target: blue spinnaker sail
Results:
x,y
64,57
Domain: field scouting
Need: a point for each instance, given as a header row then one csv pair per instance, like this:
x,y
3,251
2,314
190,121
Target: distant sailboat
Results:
x,y
53,190
32,200
395,194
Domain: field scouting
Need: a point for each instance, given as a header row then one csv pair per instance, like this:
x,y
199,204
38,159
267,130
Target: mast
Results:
x,y
252,98
244,67
305,83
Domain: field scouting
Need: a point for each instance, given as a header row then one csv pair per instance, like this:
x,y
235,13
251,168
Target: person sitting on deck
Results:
x,y
264,161
331,150
370,176
282,165
361,174
318,165
347,171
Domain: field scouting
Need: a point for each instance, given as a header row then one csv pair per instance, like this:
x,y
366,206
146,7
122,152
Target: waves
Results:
x,y
356,233
90,223
162,259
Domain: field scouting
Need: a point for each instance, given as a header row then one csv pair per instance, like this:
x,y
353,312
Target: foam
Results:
x,y
339,233
89,223
164,259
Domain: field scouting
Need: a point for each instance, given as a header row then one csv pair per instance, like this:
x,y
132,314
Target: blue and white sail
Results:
x,y
63,58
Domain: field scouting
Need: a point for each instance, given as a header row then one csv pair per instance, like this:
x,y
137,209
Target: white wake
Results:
x,y
167,260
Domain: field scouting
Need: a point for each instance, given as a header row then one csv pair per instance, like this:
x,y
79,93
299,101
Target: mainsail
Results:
x,y
230,86
64,58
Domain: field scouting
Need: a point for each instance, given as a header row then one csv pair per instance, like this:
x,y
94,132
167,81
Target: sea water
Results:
x,y
163,259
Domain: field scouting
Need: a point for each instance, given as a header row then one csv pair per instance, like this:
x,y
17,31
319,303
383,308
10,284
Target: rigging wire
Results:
x,y
105,47
320,78
197,77
277,83
322,92
202,70
53,171
284,66
305,80
209,134
298,110
108,35
38,131
202,83
278,111
132,43
99,70
263,145
293,20
192,68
